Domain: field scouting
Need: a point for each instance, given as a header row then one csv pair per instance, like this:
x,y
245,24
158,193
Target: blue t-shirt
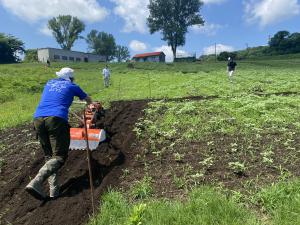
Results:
x,y
57,97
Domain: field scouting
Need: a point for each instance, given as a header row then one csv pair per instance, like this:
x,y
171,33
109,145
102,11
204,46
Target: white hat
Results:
x,y
229,58
65,73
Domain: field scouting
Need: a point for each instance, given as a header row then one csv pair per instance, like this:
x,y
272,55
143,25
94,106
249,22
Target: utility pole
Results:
x,y
216,52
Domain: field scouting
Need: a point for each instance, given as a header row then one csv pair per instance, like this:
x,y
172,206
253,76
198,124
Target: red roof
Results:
x,y
147,54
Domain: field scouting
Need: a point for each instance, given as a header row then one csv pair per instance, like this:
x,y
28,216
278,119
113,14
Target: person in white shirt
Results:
x,y
106,76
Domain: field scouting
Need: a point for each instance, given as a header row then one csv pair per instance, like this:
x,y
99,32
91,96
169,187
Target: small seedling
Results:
x,y
178,157
2,163
234,147
267,156
125,172
237,167
2,148
197,177
143,188
210,143
179,182
207,162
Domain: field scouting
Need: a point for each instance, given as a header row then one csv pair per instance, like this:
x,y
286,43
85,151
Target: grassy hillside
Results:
x,y
21,84
234,150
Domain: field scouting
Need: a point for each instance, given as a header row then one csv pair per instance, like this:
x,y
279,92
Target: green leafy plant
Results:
x,y
126,172
143,188
2,163
137,215
238,167
267,156
207,162
178,157
180,182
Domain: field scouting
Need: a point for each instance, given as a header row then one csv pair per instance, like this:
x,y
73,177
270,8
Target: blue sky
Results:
x,y
231,24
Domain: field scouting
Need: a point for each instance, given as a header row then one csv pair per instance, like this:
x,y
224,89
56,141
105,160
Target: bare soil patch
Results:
x,y
23,158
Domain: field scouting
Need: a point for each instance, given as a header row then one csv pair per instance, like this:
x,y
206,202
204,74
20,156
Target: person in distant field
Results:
x,y
231,68
51,125
48,63
106,76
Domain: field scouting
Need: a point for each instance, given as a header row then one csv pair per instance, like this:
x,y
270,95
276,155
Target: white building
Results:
x,y
150,57
55,54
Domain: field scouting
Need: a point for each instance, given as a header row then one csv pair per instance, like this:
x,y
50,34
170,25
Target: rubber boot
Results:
x,y
35,186
53,185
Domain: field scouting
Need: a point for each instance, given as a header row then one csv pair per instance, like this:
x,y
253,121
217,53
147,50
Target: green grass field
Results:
x,y
21,84
262,100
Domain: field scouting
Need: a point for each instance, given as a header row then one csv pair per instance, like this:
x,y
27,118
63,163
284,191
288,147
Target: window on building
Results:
x,y
71,58
56,57
64,58
78,59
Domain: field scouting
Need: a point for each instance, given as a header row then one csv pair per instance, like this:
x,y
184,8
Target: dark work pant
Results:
x,y
54,136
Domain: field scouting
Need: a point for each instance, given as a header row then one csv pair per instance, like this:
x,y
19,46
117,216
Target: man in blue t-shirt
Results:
x,y
51,124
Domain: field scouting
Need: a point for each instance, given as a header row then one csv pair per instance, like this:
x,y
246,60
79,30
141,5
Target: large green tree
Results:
x,y
102,43
172,18
66,30
10,47
122,53
223,56
283,42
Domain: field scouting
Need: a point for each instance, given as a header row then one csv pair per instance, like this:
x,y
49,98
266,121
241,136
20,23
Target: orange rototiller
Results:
x,y
88,137
94,136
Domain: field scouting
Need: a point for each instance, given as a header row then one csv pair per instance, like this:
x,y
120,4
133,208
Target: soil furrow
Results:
x,y
74,205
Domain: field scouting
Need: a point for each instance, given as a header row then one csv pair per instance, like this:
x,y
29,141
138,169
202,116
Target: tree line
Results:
x,y
283,42
170,17
66,30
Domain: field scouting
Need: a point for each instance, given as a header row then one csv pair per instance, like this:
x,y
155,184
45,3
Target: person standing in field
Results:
x,y
106,76
51,125
231,68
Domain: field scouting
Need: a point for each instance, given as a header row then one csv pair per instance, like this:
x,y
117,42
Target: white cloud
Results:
x,y
210,29
45,30
134,12
35,10
137,46
267,12
168,52
219,48
212,1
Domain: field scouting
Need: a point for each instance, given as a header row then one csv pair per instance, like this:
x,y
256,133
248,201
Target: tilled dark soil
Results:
x,y
123,160
23,158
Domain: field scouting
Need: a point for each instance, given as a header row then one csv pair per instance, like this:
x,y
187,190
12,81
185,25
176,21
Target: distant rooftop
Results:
x,y
147,54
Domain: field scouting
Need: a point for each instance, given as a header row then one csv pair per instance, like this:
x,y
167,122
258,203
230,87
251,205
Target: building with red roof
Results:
x,y
150,57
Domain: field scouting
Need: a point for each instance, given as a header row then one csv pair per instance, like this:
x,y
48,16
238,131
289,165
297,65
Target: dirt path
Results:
x,y
23,160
